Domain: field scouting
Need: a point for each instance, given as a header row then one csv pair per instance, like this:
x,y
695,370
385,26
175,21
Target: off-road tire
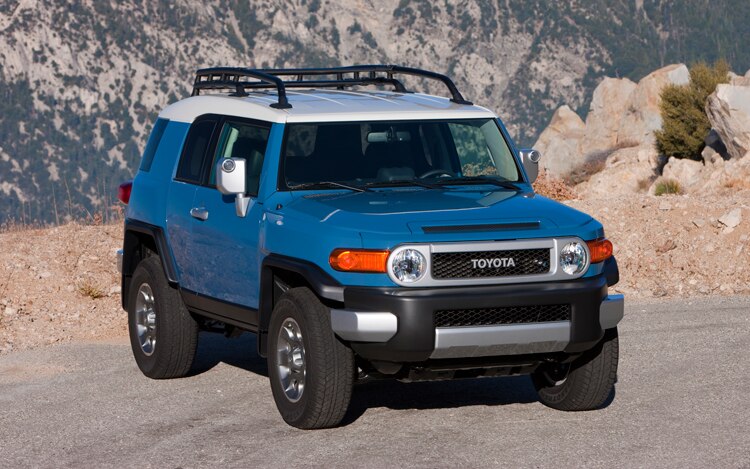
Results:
x,y
589,382
176,330
329,364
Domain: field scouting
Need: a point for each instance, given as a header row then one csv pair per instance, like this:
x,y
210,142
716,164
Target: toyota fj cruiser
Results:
x,y
360,233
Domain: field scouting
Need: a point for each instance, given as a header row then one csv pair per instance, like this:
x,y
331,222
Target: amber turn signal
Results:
x,y
600,249
358,260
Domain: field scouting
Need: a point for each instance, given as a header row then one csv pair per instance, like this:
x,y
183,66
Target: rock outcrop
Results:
x,y
728,109
603,119
619,128
614,152
627,171
559,142
688,173
641,114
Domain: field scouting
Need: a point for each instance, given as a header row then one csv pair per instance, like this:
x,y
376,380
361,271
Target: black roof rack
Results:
x,y
360,75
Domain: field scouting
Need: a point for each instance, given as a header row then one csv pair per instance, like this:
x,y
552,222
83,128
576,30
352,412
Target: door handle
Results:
x,y
199,213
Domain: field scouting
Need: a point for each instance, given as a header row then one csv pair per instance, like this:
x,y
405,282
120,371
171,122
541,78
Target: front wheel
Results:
x,y
584,384
311,371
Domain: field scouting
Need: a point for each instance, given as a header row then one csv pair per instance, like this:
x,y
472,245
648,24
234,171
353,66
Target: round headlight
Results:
x,y
408,265
573,258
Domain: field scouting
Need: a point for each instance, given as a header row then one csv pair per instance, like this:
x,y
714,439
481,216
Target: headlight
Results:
x,y
573,258
408,265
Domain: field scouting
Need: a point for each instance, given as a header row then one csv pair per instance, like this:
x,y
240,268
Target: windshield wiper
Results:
x,y
313,185
479,179
400,182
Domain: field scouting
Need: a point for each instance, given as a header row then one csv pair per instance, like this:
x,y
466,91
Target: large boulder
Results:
x,y
688,173
605,114
559,142
728,109
641,113
627,171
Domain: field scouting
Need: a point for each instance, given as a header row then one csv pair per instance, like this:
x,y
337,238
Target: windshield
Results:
x,y
396,153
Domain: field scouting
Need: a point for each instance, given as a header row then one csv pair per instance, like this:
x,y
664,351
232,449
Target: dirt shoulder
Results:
x,y
676,246
60,284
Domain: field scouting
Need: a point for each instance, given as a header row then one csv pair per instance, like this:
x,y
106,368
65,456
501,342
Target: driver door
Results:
x,y
225,246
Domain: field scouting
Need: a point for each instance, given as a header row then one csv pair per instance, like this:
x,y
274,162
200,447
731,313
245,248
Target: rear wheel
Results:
x,y
584,384
163,335
311,371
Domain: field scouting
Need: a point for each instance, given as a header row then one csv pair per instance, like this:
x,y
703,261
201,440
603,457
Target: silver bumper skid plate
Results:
x,y
451,342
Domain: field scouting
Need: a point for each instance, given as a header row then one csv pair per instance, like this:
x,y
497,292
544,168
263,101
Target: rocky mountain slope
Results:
x,y
81,80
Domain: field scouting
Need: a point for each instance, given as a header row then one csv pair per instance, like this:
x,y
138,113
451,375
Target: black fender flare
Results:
x,y
611,271
134,232
319,281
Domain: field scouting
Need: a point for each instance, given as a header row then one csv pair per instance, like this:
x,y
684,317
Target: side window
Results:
x,y
194,153
246,141
153,143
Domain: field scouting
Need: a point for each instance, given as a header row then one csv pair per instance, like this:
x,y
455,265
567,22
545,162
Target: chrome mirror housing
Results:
x,y
230,180
530,160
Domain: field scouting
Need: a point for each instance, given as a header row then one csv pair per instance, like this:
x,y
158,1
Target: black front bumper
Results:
x,y
415,339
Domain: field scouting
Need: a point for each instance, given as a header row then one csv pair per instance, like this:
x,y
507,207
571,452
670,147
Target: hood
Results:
x,y
417,215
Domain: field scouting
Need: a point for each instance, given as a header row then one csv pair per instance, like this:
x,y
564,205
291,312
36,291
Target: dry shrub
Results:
x,y
595,162
14,226
667,186
553,187
737,184
625,144
90,290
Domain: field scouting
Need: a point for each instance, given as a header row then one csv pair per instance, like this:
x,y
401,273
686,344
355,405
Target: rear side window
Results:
x,y
153,144
194,153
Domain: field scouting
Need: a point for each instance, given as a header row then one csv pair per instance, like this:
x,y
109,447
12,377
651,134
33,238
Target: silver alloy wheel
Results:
x,y
290,359
145,319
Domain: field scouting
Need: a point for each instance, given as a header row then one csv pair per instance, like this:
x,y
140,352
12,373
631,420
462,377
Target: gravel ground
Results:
x,y
60,284
677,246
680,402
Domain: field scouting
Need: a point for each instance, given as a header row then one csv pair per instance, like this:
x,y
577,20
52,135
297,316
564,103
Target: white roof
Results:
x,y
325,106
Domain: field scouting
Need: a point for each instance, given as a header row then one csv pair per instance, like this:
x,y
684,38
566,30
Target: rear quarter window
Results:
x,y
153,144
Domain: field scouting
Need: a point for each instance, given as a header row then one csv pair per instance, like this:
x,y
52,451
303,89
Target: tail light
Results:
x,y
123,192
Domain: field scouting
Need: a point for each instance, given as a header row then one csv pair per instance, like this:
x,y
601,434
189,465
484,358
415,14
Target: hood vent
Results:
x,y
532,225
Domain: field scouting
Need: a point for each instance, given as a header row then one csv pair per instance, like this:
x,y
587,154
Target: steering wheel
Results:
x,y
435,172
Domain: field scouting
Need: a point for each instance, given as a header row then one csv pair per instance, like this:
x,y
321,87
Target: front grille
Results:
x,y
502,315
484,264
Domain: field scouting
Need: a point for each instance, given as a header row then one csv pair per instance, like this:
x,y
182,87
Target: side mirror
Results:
x,y
530,160
230,180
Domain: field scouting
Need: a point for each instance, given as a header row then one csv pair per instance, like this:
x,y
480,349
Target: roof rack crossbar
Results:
x,y
230,78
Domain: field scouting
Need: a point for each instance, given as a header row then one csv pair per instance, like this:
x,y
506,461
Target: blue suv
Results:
x,y
361,230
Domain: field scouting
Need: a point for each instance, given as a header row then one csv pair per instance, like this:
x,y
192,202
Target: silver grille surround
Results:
x,y
553,244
